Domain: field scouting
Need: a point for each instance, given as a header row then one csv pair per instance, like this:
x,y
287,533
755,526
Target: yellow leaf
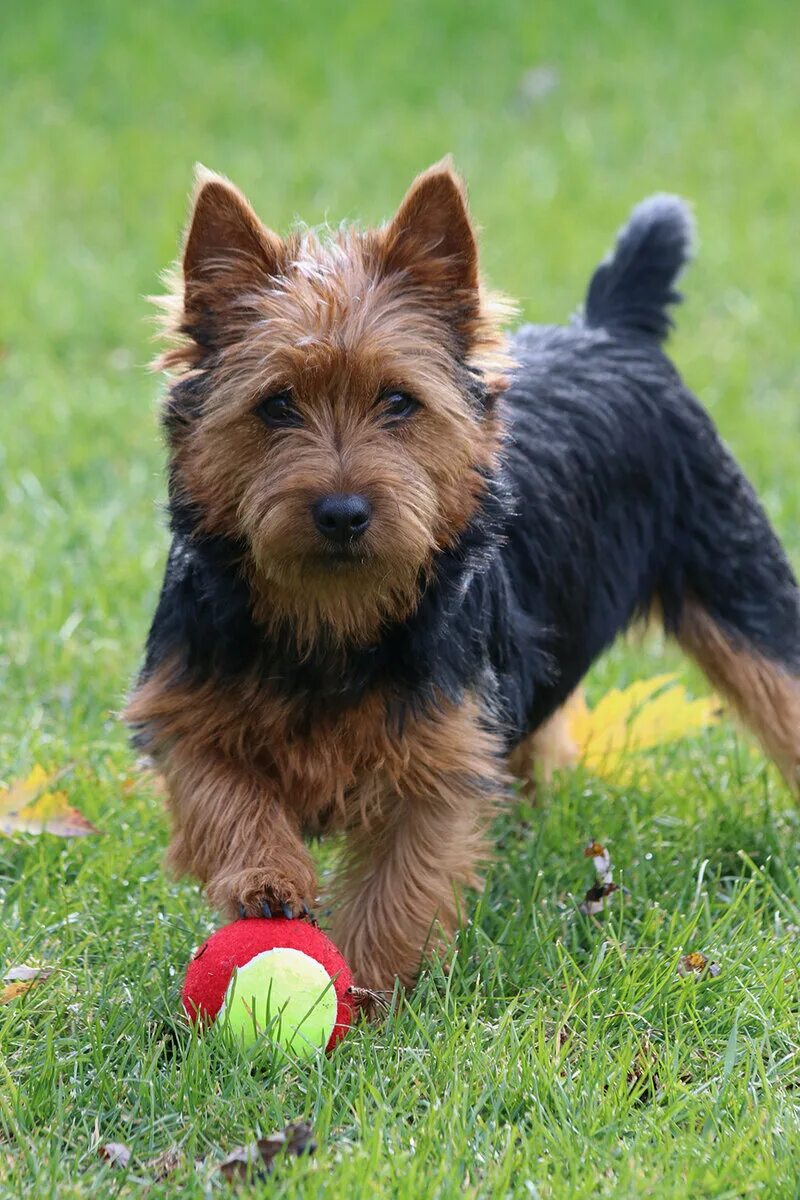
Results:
x,y
28,807
12,990
18,987
650,713
19,980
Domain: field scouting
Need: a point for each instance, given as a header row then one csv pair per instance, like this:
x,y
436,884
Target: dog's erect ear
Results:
x,y
227,249
432,237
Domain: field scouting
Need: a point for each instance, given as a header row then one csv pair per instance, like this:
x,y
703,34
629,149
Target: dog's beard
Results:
x,y
345,593
345,596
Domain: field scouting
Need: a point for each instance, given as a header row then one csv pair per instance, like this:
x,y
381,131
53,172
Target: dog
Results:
x,y
400,538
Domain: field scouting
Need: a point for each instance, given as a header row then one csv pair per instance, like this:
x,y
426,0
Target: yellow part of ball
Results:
x,y
282,995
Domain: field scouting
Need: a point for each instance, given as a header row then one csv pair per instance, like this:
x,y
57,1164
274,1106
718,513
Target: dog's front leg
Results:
x,y
417,843
231,831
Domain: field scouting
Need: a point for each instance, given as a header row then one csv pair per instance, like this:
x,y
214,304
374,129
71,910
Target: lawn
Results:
x,y
563,1056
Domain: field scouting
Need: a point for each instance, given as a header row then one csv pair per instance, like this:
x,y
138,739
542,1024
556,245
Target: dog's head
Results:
x,y
334,411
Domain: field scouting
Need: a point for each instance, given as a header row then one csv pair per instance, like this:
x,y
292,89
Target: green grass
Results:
x,y
512,1076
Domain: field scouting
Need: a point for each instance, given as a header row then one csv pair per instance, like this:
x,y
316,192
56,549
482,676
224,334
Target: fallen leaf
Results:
x,y
165,1163
594,901
33,973
696,964
116,1154
370,1002
258,1158
601,860
29,807
12,990
21,980
625,723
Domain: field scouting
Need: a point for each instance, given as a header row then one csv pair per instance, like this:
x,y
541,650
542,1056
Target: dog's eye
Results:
x,y
399,406
278,410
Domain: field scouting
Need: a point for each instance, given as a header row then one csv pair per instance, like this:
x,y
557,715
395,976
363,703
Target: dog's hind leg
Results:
x,y
738,611
764,693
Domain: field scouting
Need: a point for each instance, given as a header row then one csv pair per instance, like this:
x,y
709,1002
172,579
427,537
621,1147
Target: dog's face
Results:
x,y
335,413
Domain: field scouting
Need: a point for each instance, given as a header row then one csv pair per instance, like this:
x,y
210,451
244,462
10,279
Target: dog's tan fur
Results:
x,y
764,696
245,783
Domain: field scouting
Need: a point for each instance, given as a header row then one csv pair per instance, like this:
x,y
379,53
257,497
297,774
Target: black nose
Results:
x,y
342,518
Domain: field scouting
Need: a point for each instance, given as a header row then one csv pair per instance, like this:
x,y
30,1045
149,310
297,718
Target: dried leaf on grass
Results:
x,y
33,973
249,1162
696,965
165,1163
371,1003
258,1158
650,713
594,902
116,1154
29,806
601,860
19,980
13,990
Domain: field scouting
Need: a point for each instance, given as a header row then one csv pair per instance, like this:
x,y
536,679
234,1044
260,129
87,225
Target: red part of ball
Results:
x,y
210,970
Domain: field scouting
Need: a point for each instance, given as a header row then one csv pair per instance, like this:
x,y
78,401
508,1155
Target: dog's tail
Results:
x,y
632,289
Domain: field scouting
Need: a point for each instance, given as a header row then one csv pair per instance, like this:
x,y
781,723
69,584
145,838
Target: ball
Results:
x,y
279,980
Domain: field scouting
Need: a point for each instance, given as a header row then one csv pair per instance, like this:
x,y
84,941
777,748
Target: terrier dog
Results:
x,y
401,537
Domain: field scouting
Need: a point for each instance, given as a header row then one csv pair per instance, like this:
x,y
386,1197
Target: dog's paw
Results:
x,y
259,893
271,906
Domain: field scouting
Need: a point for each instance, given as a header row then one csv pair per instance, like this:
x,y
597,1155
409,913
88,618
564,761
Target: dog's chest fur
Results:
x,y
332,773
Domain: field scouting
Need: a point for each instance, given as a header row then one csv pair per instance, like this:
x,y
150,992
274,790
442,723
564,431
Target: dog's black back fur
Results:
x,y
616,492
